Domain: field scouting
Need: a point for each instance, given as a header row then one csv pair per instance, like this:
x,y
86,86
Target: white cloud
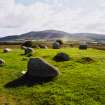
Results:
x,y
66,15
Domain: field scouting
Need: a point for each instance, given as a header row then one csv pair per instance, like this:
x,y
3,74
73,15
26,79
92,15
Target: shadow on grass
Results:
x,y
27,55
26,80
21,54
1,65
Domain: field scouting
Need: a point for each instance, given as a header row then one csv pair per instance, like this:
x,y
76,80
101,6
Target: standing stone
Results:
x,y
61,57
83,47
56,45
5,50
28,50
39,68
2,62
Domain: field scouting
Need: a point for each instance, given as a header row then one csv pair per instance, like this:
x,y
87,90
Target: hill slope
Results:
x,y
54,34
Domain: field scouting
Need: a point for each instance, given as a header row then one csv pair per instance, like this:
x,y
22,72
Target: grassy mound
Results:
x,y
86,60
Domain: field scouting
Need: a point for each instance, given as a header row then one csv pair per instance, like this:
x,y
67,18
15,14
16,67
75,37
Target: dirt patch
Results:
x,y
3,100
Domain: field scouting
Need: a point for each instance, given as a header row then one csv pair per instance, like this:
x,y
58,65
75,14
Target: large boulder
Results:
x,y
61,57
2,62
39,68
56,45
5,50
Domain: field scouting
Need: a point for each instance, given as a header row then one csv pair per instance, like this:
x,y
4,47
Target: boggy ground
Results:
x,y
81,82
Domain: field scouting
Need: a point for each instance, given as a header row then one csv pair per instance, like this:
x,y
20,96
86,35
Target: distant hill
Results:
x,y
54,34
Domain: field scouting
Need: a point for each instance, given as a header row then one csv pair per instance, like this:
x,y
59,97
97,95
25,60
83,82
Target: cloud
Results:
x,y
66,15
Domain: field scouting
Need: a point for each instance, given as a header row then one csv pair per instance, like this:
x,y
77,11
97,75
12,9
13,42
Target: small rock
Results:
x,y
5,50
2,62
23,72
45,47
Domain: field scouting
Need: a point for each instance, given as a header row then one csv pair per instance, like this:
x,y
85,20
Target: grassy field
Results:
x,y
80,82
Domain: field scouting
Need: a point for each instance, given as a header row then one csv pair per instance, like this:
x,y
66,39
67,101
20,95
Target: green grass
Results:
x,y
78,84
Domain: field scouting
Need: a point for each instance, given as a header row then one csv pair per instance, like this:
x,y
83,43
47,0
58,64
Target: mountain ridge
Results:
x,y
55,34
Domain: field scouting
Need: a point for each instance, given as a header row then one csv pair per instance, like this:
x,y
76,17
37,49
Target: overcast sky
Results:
x,y
20,16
